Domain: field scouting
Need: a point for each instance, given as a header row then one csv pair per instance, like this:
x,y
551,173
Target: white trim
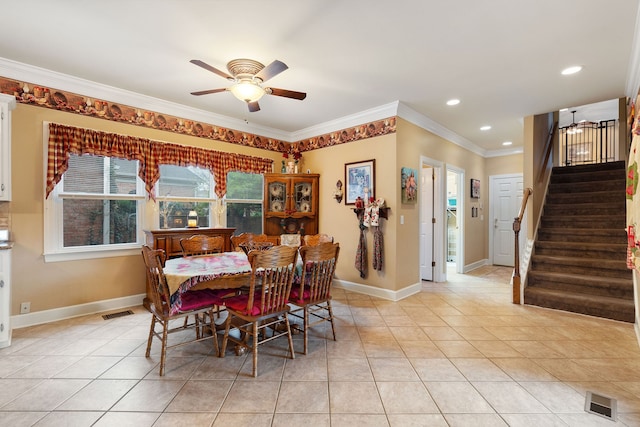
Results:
x,y
55,314
378,292
474,265
460,210
10,100
87,253
439,213
504,152
432,126
633,73
370,115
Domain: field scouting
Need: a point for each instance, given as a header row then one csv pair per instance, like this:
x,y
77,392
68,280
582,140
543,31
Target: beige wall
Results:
x,y
60,284
414,142
339,220
504,165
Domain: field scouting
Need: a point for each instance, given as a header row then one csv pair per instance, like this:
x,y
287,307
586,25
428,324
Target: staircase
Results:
x,y
579,259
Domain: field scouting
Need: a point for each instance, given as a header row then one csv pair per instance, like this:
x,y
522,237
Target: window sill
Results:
x,y
81,254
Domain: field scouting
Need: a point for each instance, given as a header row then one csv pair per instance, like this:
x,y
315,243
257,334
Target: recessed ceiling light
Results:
x,y
487,127
571,70
564,109
453,102
507,143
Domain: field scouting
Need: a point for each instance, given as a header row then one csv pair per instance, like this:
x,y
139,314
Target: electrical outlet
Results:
x,y
25,307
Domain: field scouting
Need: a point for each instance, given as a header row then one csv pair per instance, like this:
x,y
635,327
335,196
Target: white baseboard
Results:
x,y
467,268
46,316
378,292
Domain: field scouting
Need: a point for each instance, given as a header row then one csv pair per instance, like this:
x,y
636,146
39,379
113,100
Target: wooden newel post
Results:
x,y
516,268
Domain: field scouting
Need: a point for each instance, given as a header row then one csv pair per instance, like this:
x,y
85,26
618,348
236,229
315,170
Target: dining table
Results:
x,y
226,270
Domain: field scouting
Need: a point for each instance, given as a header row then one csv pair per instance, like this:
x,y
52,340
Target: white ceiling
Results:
x,y
501,58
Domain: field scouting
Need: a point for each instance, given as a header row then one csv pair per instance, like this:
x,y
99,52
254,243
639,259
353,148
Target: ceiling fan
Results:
x,y
248,76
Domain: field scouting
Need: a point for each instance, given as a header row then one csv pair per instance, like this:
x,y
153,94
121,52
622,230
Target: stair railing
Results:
x,y
516,262
548,145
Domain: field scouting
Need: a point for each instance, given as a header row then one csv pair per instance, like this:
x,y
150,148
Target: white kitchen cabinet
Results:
x,y
5,297
7,103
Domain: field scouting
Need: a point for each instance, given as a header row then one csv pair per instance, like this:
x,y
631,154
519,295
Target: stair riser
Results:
x,y
585,187
621,272
582,236
603,290
583,222
590,169
584,198
584,253
560,304
588,177
573,209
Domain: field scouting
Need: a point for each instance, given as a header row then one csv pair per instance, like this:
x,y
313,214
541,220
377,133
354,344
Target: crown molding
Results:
x,y
418,119
504,152
366,116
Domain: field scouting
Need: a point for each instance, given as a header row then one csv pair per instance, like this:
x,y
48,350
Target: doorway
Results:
x,y
455,218
432,221
506,198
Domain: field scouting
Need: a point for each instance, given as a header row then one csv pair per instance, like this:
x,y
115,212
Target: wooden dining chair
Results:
x,y
193,303
199,244
315,239
313,296
239,239
265,305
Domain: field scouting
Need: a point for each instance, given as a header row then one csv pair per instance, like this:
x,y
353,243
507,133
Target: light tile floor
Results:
x,y
457,354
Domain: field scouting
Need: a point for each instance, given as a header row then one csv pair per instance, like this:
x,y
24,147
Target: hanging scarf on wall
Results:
x,y
377,249
361,252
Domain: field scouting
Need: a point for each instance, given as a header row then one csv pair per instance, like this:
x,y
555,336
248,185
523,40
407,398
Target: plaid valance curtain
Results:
x,y
66,140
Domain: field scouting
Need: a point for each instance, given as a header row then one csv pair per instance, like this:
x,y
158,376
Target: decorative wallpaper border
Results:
x,y
42,96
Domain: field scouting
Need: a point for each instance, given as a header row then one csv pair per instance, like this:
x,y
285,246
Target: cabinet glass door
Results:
x,y
277,196
303,196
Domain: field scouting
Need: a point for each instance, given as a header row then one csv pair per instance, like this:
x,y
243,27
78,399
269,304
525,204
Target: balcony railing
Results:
x,y
589,142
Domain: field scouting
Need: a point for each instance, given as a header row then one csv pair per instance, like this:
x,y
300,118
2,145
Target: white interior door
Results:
x,y
505,202
426,222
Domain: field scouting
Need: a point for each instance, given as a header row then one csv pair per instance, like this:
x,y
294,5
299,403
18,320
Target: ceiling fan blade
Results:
x,y
207,92
271,70
287,93
212,69
253,106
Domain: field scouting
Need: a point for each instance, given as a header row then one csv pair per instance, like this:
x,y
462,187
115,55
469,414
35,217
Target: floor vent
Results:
x,y
601,405
118,314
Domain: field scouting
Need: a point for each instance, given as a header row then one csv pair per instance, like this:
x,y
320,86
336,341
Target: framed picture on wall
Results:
x,y
409,185
475,188
360,179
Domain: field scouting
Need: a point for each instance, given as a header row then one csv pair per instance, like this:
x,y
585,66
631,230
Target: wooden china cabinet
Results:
x,y
290,203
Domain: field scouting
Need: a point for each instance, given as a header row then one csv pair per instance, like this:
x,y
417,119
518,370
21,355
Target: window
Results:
x,y
244,202
96,206
183,189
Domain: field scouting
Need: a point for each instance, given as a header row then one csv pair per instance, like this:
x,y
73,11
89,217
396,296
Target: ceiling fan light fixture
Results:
x,y
247,90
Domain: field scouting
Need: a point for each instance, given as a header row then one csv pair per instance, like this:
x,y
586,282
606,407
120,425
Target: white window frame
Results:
x,y
211,199
54,250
